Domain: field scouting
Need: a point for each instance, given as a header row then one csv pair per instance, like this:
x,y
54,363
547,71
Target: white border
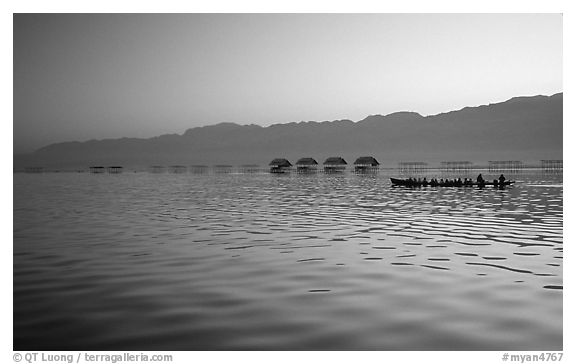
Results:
x,y
295,6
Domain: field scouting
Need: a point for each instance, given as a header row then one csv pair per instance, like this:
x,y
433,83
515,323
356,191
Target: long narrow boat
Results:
x,y
405,182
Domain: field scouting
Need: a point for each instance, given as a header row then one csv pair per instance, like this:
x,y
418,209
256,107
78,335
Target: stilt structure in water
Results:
x,y
456,167
306,165
366,164
505,166
280,165
412,168
551,165
199,169
249,168
178,169
34,169
97,169
222,169
157,169
334,165
114,169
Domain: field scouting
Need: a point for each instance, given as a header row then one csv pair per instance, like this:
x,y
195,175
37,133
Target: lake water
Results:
x,y
140,261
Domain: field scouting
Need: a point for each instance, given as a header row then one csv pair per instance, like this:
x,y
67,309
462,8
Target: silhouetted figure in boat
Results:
x,y
501,179
424,182
480,180
458,183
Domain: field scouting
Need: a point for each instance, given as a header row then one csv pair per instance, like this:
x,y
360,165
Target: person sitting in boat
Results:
x,y
458,182
480,179
424,182
501,179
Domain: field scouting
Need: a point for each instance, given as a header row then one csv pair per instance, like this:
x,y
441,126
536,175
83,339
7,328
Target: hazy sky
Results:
x,y
81,77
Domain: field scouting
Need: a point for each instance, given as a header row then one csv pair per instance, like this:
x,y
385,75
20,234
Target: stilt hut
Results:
x,y
157,169
178,169
334,165
114,169
306,165
97,169
222,168
199,169
366,164
280,165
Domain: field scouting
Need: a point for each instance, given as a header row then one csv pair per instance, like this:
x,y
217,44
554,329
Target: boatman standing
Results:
x,y
480,179
501,179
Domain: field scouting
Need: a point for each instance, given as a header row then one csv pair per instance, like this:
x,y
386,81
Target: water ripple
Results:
x,y
258,261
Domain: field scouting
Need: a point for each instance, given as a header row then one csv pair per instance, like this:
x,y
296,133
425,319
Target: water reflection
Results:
x,y
258,261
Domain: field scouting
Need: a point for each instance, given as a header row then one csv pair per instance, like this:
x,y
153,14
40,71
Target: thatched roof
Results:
x,y
335,161
280,162
367,161
306,162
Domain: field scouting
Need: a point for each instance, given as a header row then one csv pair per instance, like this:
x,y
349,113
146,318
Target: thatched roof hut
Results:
x,y
335,161
280,163
306,165
334,164
306,162
366,162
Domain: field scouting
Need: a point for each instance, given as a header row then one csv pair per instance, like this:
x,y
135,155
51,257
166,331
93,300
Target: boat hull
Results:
x,y
403,182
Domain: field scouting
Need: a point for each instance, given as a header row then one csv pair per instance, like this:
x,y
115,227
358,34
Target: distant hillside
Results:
x,y
522,128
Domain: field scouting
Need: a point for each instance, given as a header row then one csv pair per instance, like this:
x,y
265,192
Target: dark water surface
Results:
x,y
141,261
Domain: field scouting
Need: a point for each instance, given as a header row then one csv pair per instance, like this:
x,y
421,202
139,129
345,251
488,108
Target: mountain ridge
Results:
x,y
523,128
